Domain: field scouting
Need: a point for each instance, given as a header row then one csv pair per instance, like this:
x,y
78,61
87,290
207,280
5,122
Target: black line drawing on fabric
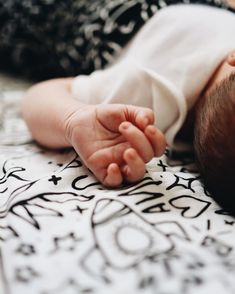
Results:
x,y
191,271
147,282
173,229
162,165
25,209
114,226
111,215
194,275
229,222
217,246
205,190
208,224
191,207
26,249
66,243
79,209
148,183
104,216
149,205
74,163
3,191
156,208
123,239
19,194
78,180
55,179
191,282
183,182
7,233
25,274
26,171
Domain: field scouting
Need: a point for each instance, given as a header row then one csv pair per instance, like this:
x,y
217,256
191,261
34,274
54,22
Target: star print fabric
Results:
x,y
62,232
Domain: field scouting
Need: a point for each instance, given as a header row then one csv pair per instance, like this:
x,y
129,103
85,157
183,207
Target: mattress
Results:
x,y
62,232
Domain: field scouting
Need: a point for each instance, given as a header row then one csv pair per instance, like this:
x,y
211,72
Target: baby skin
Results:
x,y
114,141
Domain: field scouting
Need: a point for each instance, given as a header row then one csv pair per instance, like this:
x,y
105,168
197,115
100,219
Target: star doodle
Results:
x,y
25,274
55,179
67,242
183,182
26,249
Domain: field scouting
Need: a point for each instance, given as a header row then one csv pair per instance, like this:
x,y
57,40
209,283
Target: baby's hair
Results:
x,y
214,142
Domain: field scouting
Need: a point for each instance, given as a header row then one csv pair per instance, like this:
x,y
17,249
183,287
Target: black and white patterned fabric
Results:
x,y
42,39
62,232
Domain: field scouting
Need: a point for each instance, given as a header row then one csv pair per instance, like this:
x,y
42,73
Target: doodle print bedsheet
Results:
x,y
61,232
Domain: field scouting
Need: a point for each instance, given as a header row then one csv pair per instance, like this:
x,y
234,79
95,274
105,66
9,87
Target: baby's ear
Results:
x,y
231,58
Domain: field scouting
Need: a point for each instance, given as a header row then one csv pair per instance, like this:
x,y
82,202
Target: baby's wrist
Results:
x,y
74,120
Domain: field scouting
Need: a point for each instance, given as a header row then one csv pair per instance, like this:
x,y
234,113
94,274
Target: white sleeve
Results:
x,y
129,83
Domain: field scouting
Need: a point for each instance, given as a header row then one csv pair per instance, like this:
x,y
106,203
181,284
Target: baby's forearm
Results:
x,y
113,140
46,108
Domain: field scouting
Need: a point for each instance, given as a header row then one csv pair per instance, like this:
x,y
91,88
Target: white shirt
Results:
x,y
166,65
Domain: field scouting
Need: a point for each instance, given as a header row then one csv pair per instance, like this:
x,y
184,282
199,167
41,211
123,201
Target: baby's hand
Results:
x,y
115,141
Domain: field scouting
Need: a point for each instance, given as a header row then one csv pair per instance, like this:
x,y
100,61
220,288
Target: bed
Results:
x,y
62,232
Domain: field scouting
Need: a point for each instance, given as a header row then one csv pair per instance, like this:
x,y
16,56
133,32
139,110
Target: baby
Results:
x,y
173,84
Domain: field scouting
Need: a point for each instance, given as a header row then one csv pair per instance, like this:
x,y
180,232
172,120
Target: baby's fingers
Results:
x,y
135,166
137,140
114,177
157,139
144,117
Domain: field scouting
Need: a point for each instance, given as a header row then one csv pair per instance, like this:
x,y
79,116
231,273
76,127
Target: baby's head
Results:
x,y
214,141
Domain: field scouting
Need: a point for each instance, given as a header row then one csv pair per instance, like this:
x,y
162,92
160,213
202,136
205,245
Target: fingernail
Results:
x,y
145,121
131,155
125,125
151,130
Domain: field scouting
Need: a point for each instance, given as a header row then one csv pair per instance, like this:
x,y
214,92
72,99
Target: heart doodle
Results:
x,y
191,206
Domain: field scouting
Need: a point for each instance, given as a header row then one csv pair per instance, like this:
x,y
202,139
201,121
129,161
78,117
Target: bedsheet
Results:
x,y
62,232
